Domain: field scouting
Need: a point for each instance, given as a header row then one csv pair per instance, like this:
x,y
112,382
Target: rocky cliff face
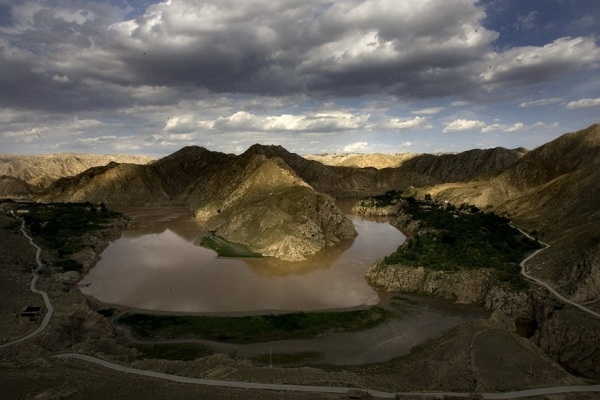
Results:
x,y
461,287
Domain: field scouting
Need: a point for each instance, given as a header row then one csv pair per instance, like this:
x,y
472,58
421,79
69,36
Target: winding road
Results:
x,y
323,389
547,286
284,387
36,276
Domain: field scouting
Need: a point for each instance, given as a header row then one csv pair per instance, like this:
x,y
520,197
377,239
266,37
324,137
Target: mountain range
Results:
x,y
270,199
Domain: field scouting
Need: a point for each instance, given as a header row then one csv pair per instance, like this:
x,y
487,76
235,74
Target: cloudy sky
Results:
x,y
148,77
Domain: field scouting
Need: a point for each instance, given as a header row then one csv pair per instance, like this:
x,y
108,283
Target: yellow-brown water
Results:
x,y
158,267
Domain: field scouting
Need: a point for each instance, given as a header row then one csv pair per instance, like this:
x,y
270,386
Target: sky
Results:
x,y
314,76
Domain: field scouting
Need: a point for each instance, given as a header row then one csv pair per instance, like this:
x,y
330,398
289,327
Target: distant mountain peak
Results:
x,y
268,150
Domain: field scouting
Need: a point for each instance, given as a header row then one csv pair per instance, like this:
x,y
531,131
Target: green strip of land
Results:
x,y
254,329
225,248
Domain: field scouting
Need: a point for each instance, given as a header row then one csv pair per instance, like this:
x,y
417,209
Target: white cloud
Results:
x,y
429,111
320,121
460,125
540,102
530,64
78,17
101,139
174,137
182,123
503,128
544,125
406,123
355,147
583,103
61,79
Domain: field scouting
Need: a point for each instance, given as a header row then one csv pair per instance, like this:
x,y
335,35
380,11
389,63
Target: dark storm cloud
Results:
x,y
81,55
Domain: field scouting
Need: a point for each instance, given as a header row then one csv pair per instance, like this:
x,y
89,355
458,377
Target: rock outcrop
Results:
x,y
271,210
461,286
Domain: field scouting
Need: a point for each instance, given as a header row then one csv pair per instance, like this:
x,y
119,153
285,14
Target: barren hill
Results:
x,y
15,188
266,206
41,170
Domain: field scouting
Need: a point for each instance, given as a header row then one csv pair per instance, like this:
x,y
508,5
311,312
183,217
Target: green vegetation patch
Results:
x,y
254,329
463,238
62,226
391,197
225,248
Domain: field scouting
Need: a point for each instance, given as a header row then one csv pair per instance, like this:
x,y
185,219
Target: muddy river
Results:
x,y
158,267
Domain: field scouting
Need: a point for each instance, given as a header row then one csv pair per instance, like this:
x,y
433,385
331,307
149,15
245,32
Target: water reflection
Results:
x,y
156,266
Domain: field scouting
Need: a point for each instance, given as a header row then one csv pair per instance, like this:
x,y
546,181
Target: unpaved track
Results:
x,y
547,286
322,389
36,276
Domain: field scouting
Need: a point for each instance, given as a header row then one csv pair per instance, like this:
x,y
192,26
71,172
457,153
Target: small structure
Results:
x,y
357,394
31,312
